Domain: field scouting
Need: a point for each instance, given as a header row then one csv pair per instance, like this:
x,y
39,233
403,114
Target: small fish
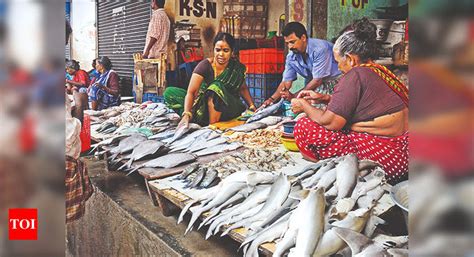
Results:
x,y
200,174
208,178
163,135
190,169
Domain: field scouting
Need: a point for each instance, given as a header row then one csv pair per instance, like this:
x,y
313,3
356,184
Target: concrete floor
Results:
x,y
121,220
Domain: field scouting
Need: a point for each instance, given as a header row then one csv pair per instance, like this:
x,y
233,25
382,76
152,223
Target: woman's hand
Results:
x,y
252,108
297,105
184,122
312,96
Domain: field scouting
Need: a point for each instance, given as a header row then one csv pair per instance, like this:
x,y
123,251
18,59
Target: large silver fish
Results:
x,y
219,149
183,130
127,145
142,150
247,127
278,194
167,161
346,175
267,111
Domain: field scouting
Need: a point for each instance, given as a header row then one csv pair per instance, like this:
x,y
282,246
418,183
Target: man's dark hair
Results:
x,y
295,27
160,3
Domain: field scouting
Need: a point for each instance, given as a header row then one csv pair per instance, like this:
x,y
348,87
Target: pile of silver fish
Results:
x,y
156,117
209,174
323,209
166,149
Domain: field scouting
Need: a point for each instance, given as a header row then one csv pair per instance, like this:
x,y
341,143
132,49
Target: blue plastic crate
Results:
x,y
150,97
262,86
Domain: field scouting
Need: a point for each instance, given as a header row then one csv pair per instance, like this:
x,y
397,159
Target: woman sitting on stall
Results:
x,y
366,115
80,79
214,89
105,91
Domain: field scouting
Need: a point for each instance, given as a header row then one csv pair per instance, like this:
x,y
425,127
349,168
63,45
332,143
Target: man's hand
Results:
x,y
297,105
267,102
287,95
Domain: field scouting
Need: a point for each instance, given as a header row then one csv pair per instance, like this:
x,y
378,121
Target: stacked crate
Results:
x,y
265,67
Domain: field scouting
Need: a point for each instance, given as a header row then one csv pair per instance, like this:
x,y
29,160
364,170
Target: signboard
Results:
x,y
198,8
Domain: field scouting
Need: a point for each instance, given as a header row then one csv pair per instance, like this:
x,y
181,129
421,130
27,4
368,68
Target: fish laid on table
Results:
x,y
272,120
271,233
265,112
362,246
167,161
206,144
109,141
183,130
144,149
330,243
127,144
186,140
346,175
247,127
278,194
200,139
219,149
302,232
163,135
188,170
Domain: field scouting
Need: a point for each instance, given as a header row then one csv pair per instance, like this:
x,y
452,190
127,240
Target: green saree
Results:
x,y
226,87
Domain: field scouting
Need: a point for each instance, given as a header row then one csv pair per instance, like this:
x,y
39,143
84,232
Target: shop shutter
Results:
x,y
122,27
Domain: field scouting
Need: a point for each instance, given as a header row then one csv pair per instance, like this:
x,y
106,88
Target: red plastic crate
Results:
x,y
275,42
263,60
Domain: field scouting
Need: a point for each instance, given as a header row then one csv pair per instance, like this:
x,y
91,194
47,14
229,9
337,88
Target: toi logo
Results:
x,y
23,224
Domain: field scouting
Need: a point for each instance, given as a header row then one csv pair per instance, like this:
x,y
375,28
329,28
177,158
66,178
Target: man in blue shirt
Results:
x,y
309,57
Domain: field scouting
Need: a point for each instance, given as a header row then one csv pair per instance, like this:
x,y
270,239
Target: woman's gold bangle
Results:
x,y
187,114
252,106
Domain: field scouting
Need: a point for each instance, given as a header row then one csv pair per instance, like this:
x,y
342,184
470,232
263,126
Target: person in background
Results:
x,y
80,79
105,92
158,31
215,88
93,73
367,114
77,87
309,57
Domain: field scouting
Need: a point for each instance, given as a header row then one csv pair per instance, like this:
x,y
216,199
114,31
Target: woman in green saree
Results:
x,y
215,88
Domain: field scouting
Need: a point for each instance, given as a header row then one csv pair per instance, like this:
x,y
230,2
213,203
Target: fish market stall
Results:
x,y
264,209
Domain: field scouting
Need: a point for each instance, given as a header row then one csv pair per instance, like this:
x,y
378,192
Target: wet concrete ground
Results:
x,y
121,220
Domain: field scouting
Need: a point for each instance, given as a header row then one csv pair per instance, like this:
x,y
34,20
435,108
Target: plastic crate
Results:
x,y
275,42
151,97
263,60
262,86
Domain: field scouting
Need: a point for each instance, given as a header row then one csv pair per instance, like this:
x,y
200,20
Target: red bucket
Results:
x,y
86,134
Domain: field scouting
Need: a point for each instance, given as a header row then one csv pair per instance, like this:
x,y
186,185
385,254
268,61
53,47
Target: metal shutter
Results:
x,y
122,27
